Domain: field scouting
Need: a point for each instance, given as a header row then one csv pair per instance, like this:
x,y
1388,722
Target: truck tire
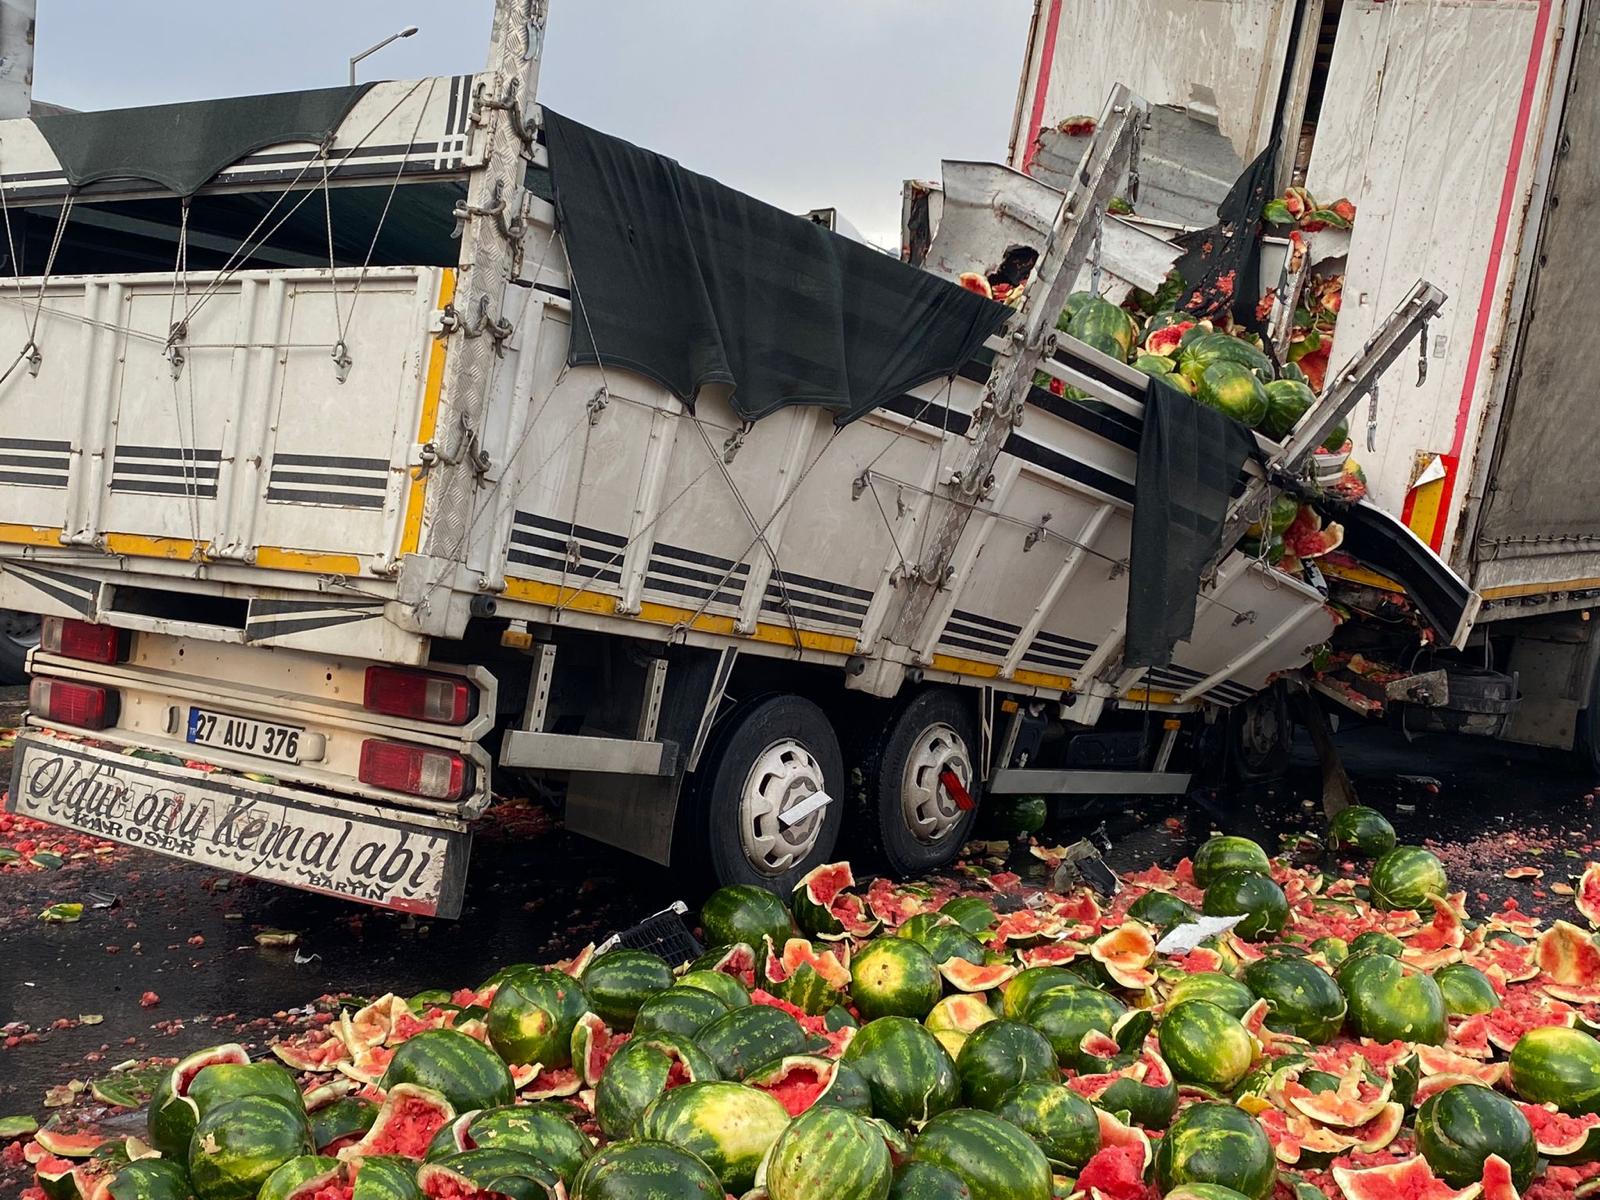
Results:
x,y
1260,733
19,633
769,756
906,817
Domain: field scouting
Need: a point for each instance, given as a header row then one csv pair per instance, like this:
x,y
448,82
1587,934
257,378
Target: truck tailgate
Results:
x,y
261,419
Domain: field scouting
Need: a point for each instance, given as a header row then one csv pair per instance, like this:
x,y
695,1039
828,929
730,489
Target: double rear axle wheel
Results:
x,y
769,799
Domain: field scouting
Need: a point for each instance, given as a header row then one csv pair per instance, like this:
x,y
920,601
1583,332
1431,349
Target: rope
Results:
x,y
44,281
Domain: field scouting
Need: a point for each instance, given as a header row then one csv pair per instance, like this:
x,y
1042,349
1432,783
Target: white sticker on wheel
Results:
x,y
791,817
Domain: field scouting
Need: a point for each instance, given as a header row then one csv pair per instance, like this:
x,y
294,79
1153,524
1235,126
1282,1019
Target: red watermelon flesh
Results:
x,y
410,1118
1588,897
891,905
1556,1133
1116,1173
798,1088
332,1190
1568,956
1497,1181
1412,1179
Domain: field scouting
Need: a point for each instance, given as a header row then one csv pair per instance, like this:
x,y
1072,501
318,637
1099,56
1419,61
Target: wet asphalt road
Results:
x,y
535,893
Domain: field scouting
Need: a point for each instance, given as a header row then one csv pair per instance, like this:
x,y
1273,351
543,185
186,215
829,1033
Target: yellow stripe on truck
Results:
x,y
30,535
275,559
138,545
433,389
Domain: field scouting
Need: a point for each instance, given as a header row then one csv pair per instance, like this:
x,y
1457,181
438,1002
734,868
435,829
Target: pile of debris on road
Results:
x,y
1238,1026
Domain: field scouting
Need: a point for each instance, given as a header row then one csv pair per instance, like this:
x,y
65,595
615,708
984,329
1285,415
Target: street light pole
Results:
x,y
408,31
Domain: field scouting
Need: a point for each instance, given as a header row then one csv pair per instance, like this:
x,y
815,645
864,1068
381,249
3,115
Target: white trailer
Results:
x,y
326,532
1465,134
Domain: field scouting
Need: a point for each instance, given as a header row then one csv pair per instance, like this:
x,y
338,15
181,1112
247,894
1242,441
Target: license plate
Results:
x,y
245,735
336,847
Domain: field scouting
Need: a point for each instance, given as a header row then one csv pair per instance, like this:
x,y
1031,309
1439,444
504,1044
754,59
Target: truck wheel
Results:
x,y
908,817
19,633
1586,745
768,758
1260,734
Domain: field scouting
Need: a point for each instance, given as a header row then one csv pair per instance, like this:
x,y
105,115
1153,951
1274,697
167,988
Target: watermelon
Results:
x,y
895,977
545,1130
805,1081
172,1115
1410,1179
910,1076
1235,391
1162,910
646,1171
1466,990
742,913
1406,876
1375,941
1020,991
750,1037
345,1118
1000,1056
829,1153
961,1012
1074,304
1105,327
1023,816
1361,831
1065,1014
683,1011
1390,1001
972,913
942,937
1460,1127
1554,1065
158,1179
724,987
1226,992
638,1073
533,1014
1256,897
1202,349
737,960
408,1122
1216,1143
1587,898
1222,854
1063,1123
812,979
925,1181
1145,1090
823,907
728,1126
1204,1045
618,982
975,977
995,1159
1304,998
462,1069
1334,950
1287,402
496,1171
238,1143
1208,1191
1155,364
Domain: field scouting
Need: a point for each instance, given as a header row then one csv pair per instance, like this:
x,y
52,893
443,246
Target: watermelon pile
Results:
x,y
1354,1037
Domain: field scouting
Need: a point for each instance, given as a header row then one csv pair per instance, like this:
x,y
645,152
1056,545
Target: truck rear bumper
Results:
x,y
408,861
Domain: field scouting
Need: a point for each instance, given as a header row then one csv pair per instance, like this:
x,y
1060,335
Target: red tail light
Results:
x,y
419,695
82,640
415,770
80,704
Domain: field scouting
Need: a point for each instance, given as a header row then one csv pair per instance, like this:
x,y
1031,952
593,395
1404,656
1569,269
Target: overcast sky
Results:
x,y
821,102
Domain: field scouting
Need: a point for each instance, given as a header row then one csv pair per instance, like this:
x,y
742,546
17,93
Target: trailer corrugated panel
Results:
x,y
1431,124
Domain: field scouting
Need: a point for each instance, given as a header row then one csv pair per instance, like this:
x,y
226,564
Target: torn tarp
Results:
x,y
1190,457
689,282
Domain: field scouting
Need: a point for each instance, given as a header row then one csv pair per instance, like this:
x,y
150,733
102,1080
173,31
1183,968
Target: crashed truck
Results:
x,y
1462,137
369,446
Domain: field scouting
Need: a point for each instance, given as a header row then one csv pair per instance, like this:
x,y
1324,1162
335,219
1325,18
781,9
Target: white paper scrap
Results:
x,y
793,816
1183,938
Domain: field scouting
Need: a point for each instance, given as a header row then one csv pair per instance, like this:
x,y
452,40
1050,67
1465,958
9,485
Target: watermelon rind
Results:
x,y
1226,992
237,1144
638,1073
1000,1056
533,1014
462,1069
1305,1001
1064,1124
1392,1002
293,1175
828,1153
1362,831
1559,1066
995,1159
746,1038
543,1130
155,1179
728,1126
743,913
726,988
633,1169
909,1073
1460,1127
1204,1045
1216,1143
1065,1014
1405,877
171,1116
1254,896
684,1011
618,982
895,977
1225,853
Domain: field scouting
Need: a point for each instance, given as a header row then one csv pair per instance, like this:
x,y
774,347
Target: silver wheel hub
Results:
x,y
1259,731
783,777
929,810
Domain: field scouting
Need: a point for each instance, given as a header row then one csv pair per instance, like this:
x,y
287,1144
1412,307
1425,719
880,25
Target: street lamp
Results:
x,y
408,31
